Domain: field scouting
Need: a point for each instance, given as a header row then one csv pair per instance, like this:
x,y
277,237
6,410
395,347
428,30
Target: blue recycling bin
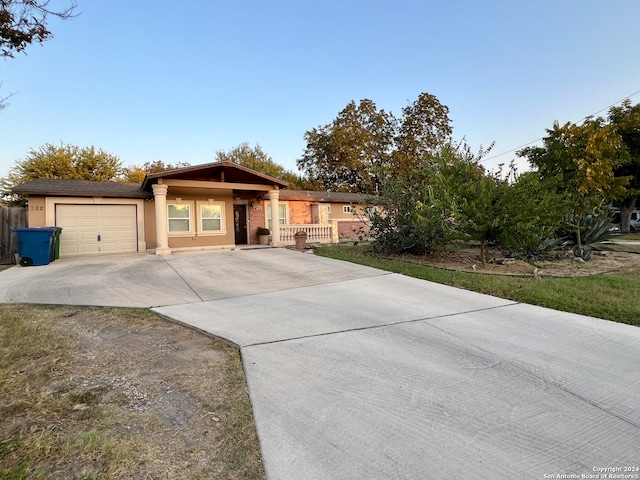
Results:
x,y
34,245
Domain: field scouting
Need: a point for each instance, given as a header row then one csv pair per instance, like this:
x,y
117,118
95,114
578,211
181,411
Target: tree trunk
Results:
x,y
578,238
626,209
482,256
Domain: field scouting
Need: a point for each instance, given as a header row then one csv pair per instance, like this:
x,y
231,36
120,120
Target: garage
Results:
x,y
97,229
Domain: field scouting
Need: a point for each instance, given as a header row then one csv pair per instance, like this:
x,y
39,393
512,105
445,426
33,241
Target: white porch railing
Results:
x,y
316,233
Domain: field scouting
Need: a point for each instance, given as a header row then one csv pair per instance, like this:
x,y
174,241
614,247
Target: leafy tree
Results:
x,y
415,217
425,126
256,159
363,146
65,161
579,161
136,173
350,153
531,213
23,22
451,197
425,208
625,119
475,194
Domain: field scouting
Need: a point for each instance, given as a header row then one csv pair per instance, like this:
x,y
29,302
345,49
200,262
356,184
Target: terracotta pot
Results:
x,y
264,239
301,242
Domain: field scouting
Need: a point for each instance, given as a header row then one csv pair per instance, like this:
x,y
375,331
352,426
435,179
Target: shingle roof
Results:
x,y
326,197
90,188
80,188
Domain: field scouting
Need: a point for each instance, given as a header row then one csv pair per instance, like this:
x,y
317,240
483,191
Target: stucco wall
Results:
x,y
36,212
299,212
195,239
337,211
150,225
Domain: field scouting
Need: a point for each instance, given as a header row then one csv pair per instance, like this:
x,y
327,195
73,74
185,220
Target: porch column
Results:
x,y
335,232
274,196
162,233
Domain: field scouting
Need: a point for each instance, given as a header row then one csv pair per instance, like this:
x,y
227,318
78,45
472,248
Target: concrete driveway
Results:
x,y
356,373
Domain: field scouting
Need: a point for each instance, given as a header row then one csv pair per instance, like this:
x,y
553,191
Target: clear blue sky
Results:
x,y
177,81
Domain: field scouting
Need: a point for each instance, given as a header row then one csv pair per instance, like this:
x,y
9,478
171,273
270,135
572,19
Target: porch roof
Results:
x,y
222,172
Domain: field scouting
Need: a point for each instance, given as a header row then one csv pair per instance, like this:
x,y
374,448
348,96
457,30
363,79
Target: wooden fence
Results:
x,y
10,217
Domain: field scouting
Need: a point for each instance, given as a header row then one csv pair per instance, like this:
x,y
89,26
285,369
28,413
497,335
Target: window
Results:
x,y
282,215
328,208
179,215
211,217
346,209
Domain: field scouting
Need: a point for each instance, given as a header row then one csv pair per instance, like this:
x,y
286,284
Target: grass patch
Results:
x,y
238,436
107,393
611,296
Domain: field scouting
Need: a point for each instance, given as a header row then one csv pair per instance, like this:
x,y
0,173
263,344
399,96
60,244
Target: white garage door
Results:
x,y
96,229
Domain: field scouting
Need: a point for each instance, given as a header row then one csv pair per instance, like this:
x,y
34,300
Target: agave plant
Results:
x,y
595,227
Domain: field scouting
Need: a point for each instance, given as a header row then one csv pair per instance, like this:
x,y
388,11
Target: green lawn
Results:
x,y
612,296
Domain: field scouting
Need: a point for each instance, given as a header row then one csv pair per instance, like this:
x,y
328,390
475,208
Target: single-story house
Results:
x,y
216,205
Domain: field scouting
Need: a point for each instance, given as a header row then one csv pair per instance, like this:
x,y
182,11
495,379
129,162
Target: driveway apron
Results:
x,y
384,376
356,373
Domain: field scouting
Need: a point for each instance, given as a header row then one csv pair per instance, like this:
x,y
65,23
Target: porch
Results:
x,y
316,233
334,231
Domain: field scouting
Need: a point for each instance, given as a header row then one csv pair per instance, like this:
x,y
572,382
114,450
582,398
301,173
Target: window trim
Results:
x,y
223,223
191,209
346,209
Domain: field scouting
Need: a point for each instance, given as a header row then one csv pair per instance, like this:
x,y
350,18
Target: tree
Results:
x,y
415,217
65,161
425,126
256,159
427,207
363,145
625,119
530,213
136,173
352,152
23,22
475,194
580,162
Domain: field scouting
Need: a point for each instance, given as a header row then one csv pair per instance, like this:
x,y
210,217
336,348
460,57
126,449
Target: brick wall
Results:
x,y
256,219
350,229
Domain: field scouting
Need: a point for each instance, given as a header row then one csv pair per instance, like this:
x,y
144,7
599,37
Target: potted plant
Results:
x,y
263,235
301,239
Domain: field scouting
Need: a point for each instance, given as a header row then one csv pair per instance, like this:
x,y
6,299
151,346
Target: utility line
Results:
x,y
538,139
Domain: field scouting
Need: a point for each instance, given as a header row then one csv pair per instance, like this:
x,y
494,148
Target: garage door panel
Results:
x,y
87,222
69,249
110,246
95,229
117,235
89,248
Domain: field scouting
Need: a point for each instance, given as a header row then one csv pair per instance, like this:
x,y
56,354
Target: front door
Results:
x,y
240,224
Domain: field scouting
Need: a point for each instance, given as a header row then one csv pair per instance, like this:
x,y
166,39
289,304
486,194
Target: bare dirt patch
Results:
x,y
134,396
469,260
